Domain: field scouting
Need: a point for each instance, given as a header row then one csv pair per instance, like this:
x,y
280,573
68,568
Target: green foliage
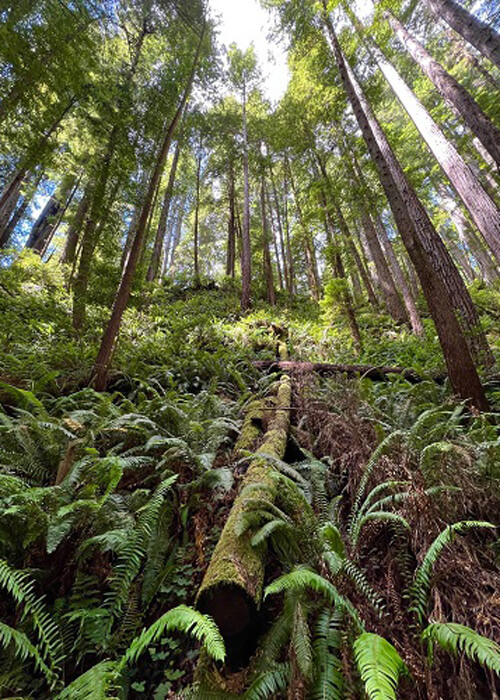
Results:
x,y
456,639
422,581
183,619
379,664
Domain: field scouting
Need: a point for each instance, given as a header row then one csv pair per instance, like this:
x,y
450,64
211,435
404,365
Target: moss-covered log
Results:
x,y
231,590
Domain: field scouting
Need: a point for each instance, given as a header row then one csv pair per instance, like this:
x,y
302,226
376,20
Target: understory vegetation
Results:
x,y
112,503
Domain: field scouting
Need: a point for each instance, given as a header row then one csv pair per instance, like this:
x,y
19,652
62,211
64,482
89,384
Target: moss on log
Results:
x,y
231,591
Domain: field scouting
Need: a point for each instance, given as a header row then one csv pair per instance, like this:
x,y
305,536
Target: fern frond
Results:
x,y
328,678
455,639
20,587
422,581
24,649
301,641
379,665
94,684
269,683
181,619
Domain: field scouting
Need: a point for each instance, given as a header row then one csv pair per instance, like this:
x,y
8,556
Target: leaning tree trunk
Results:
x,y
480,35
449,88
76,225
386,281
419,236
123,293
159,241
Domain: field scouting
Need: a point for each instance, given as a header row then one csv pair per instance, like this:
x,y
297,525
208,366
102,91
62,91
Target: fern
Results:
x,y
20,587
422,580
455,639
134,551
182,619
328,679
302,579
269,683
24,649
94,684
379,665
301,641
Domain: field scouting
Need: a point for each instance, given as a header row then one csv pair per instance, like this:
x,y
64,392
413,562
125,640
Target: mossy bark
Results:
x,y
231,590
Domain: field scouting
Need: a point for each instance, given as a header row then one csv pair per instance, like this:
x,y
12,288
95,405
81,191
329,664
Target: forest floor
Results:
x,y
379,563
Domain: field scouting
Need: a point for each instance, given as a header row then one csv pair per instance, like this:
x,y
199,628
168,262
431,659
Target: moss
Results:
x,y
234,561
252,425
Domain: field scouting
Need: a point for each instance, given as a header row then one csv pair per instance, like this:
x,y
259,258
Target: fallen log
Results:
x,y
323,368
231,591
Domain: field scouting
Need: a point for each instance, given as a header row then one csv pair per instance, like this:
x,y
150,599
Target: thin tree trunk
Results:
x,y
468,237
449,88
275,241
37,150
268,268
197,222
312,269
246,250
286,226
480,35
176,236
152,272
76,226
66,202
483,210
284,255
231,226
418,234
386,281
123,294
408,298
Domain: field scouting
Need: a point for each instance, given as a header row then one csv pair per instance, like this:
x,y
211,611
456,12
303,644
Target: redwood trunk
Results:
x,y
418,234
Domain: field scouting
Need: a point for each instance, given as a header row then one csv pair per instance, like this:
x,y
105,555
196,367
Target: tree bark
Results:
x,y
231,226
123,294
197,221
421,240
284,253
78,222
246,247
483,37
154,264
268,268
449,88
483,210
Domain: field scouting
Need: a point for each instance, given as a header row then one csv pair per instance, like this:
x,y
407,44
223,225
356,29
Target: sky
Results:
x,y
244,21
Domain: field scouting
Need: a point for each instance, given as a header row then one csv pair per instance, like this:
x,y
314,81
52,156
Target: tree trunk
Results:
x,y
422,242
231,226
483,37
483,210
386,281
78,222
275,242
268,268
152,272
468,238
197,222
246,248
310,256
286,226
449,88
409,301
284,254
176,237
123,294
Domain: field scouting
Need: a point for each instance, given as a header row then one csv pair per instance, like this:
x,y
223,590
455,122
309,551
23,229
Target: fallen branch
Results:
x,y
375,373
